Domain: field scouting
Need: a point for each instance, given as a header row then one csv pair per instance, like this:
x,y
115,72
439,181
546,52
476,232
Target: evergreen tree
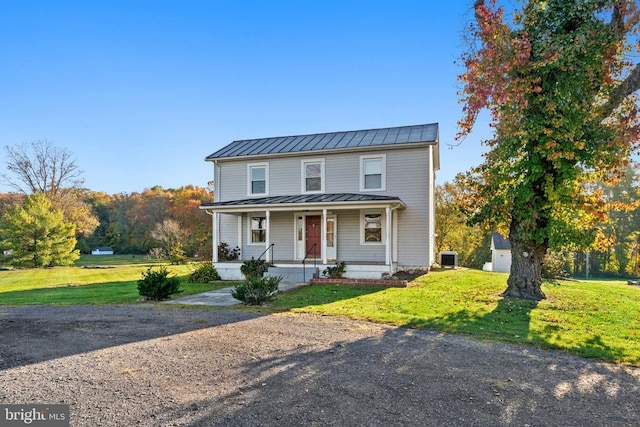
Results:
x,y
37,235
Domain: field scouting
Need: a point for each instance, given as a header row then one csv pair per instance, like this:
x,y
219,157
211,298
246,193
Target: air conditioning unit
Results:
x,y
448,259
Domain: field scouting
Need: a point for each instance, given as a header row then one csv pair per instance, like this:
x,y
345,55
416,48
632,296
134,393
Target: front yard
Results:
x,y
598,319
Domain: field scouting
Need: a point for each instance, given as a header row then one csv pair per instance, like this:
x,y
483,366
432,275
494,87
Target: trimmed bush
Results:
x,y
225,253
256,290
254,268
205,273
157,285
336,272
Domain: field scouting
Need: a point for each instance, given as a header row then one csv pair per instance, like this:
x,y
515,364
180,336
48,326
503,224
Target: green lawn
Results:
x,y
598,319
114,283
591,319
114,260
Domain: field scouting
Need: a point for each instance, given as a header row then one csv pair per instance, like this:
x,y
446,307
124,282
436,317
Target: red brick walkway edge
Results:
x,y
363,282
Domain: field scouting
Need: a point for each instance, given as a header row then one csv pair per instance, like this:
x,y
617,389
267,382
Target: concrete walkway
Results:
x,y
222,297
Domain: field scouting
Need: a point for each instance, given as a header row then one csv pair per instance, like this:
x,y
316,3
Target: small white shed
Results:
x,y
500,253
102,250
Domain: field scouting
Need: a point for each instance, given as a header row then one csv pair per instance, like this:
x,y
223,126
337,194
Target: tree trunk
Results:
x,y
525,279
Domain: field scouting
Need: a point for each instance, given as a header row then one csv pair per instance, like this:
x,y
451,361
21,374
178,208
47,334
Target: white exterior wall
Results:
x,y
409,176
228,230
349,247
501,260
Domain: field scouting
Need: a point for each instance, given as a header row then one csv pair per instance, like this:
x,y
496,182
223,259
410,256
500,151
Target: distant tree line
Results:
x,y
51,218
157,218
163,222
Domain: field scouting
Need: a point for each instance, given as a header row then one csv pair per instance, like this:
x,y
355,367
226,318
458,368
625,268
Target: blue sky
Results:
x,y
142,91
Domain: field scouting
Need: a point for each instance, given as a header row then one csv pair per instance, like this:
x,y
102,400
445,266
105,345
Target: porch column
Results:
x,y
387,252
323,238
240,235
268,226
214,226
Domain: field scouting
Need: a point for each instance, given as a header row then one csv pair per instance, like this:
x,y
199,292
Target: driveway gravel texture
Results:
x,y
161,365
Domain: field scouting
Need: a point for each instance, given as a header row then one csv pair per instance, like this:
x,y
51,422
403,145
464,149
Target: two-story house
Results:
x,y
364,197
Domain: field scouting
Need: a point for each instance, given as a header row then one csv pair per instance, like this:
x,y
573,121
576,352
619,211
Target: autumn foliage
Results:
x,y
559,80
136,222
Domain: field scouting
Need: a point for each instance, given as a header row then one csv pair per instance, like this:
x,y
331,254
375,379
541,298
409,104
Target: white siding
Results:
x,y
349,247
282,235
409,176
501,260
228,230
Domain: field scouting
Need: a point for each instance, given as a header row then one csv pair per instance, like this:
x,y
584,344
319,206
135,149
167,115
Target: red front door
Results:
x,y
313,230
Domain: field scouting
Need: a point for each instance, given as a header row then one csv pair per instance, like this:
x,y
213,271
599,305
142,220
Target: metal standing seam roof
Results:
x,y
305,199
426,133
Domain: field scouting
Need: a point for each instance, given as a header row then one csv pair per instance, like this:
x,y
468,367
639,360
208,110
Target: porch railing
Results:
x,y
304,269
270,248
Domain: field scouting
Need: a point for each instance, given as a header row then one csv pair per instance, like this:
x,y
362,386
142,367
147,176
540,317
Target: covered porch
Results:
x,y
314,231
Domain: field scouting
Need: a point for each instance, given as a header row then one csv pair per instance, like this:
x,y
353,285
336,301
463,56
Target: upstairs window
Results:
x,y
313,176
258,175
372,173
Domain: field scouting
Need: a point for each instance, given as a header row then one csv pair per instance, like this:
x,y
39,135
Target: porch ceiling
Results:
x,y
305,201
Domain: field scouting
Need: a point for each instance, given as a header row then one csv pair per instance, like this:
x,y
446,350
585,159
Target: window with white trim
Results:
x,y
372,173
258,179
313,176
371,228
258,229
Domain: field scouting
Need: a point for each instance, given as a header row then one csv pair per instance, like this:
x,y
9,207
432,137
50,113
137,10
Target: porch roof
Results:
x,y
305,201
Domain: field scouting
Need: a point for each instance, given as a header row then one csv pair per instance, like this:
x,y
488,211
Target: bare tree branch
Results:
x,y
40,167
625,16
628,86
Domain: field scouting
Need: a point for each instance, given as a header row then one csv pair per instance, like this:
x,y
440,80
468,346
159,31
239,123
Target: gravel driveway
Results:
x,y
148,365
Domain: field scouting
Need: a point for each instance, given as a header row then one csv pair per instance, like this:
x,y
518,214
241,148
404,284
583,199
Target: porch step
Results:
x,y
293,274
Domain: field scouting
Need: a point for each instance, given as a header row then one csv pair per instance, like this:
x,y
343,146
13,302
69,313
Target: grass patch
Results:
x,y
78,285
310,296
119,260
590,319
596,319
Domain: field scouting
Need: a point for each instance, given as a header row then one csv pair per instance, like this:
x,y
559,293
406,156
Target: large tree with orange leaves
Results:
x,y
559,78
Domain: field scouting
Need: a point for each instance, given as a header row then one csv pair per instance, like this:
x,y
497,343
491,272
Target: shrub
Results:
x,y
335,272
256,290
177,254
225,253
157,285
254,268
204,273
